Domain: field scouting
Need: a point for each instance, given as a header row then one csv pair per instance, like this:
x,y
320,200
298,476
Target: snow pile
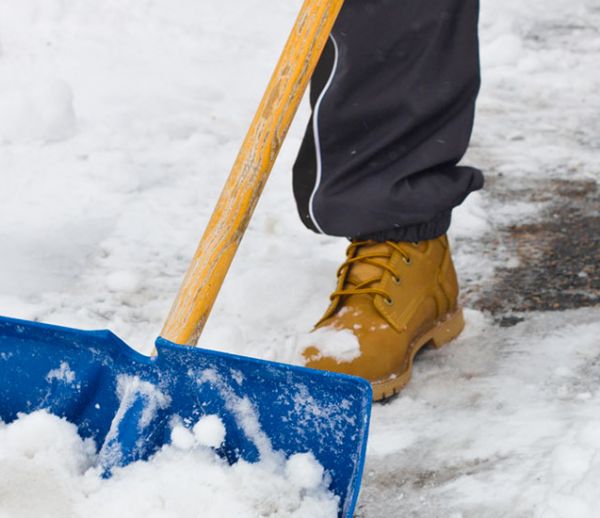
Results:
x,y
47,470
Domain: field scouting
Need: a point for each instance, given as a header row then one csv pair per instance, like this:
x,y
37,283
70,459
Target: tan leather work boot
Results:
x,y
395,298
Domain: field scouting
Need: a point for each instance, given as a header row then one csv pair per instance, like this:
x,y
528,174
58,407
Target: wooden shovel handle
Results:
x,y
246,181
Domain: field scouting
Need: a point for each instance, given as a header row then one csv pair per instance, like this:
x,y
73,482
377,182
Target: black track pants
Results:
x,y
393,99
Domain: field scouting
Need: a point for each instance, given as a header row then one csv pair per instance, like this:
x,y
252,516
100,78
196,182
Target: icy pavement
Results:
x,y
505,422
118,124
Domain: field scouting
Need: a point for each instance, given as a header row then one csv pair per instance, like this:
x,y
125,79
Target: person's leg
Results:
x,y
393,101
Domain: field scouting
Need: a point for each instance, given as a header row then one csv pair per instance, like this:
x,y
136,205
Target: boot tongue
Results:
x,y
362,271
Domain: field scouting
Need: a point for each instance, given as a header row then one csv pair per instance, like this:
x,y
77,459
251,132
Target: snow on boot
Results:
x,y
395,298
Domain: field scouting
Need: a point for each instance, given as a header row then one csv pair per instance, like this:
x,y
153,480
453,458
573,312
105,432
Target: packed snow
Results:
x,y
119,121
340,344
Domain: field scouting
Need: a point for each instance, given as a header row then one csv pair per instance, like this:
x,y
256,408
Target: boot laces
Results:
x,y
368,287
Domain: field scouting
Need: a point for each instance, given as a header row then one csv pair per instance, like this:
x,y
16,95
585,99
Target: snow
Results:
x,y
43,112
48,470
63,373
304,471
118,124
129,390
209,431
182,438
340,344
503,422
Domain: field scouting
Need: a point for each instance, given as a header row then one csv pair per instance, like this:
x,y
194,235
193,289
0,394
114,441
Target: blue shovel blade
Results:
x,y
128,402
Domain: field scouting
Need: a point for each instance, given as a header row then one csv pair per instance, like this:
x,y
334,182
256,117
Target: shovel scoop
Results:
x,y
128,402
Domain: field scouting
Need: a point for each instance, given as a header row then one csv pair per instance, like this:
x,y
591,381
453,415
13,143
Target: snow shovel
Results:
x,y
128,402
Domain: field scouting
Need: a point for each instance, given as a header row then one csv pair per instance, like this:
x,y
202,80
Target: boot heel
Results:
x,y
448,330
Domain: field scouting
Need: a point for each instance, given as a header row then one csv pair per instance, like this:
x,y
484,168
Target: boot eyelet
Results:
x,y
396,280
389,301
407,260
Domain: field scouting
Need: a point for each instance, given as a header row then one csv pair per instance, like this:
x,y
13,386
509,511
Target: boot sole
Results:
x,y
443,332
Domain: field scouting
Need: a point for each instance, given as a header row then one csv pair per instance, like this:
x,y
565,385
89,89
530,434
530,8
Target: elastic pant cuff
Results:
x,y
437,227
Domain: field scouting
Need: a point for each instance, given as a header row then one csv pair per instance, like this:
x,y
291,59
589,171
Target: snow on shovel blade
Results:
x,y
128,402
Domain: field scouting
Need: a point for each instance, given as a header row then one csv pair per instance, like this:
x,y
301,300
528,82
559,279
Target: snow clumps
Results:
x,y
47,470
209,431
340,344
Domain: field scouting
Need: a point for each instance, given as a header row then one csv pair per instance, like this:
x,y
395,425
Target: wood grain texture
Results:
x,y
250,171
